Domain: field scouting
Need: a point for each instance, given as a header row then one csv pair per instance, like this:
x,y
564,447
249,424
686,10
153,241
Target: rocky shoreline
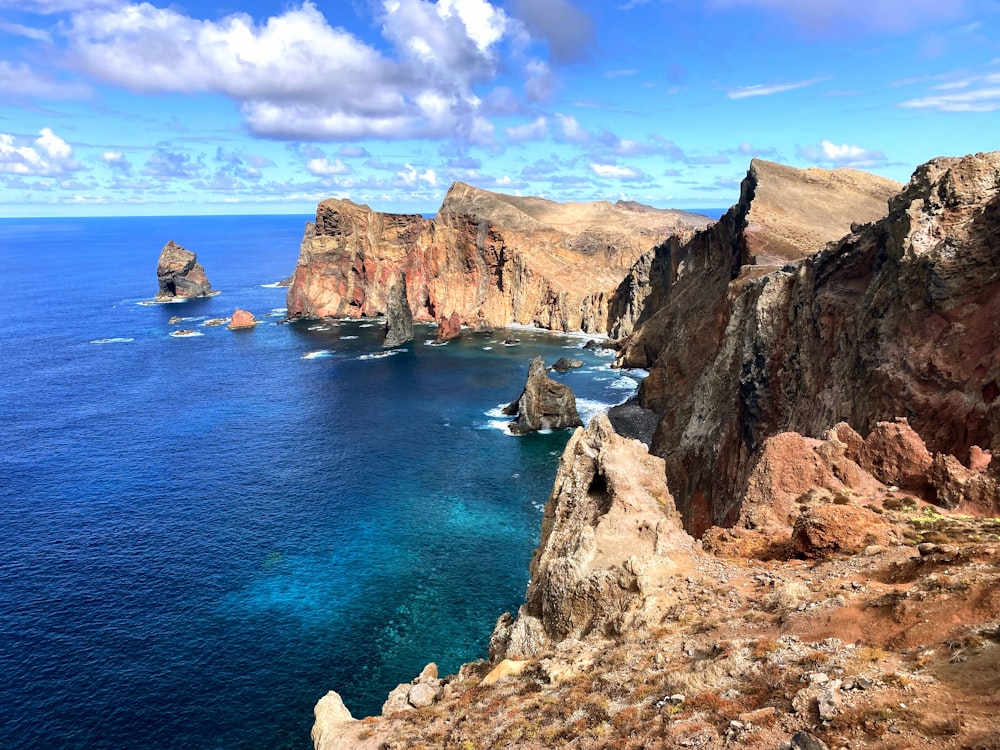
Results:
x,y
803,548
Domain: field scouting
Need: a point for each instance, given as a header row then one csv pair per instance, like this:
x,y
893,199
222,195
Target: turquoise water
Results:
x,y
200,536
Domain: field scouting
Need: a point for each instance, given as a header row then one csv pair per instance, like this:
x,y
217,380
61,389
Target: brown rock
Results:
x,y
898,317
825,530
896,455
179,274
496,258
610,539
544,404
449,328
979,460
241,319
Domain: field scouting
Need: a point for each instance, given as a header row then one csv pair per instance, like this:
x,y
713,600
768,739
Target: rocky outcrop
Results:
x,y
783,214
180,275
398,317
544,404
242,319
565,364
610,537
449,328
896,319
492,258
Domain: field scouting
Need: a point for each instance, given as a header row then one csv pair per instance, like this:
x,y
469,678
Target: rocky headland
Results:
x,y
544,404
490,258
180,275
807,552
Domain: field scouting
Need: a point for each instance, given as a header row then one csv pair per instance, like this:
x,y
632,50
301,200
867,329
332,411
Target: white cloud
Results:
x,y
977,94
572,130
532,131
39,35
841,155
325,168
50,156
770,88
295,76
615,172
409,177
541,81
17,79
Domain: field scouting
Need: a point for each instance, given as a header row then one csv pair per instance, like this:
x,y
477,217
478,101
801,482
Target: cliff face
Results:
x,y
897,319
493,259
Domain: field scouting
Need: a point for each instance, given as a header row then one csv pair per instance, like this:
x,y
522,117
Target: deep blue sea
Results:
x,y
200,536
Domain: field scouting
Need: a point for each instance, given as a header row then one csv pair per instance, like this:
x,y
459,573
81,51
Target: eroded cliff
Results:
x,y
492,259
897,319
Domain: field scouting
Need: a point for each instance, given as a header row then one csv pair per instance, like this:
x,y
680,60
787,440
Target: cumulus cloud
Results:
x,y
540,83
532,131
842,155
117,162
352,152
767,89
325,168
166,164
47,156
295,76
409,177
615,172
572,131
568,31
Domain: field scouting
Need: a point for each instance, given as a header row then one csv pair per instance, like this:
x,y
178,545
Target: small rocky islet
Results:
x,y
804,552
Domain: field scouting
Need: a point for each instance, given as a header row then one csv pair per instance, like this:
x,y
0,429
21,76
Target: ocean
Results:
x,y
200,536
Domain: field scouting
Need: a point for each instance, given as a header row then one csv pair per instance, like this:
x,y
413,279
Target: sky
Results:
x,y
110,107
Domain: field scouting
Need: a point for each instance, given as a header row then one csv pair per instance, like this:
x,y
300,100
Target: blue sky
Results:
x,y
110,107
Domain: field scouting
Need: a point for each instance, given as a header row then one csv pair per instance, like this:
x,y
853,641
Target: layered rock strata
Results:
x,y
544,404
896,319
180,275
492,258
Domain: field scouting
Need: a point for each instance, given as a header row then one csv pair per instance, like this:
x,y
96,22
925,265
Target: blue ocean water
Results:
x,y
200,536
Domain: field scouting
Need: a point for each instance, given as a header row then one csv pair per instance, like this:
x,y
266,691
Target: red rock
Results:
x,y
895,454
449,328
241,319
979,460
825,530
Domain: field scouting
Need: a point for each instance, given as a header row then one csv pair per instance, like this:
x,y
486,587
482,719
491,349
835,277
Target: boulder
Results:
x,y
565,364
544,404
241,319
398,316
180,275
825,530
333,723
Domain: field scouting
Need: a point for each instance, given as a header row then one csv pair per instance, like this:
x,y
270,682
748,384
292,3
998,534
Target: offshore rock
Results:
x,y
544,404
896,319
610,539
494,259
565,364
398,317
242,319
449,328
180,275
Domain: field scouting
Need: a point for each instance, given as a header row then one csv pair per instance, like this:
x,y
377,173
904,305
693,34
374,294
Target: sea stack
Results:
x,y
180,275
544,404
242,319
398,316
449,328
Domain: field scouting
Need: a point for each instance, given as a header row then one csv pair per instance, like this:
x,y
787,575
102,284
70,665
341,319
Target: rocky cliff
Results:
x,y
493,259
896,319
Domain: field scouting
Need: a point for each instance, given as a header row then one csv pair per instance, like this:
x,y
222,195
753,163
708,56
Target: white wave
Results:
x,y
366,325
487,348
273,285
624,383
432,342
279,310
318,328
497,411
117,340
590,408
318,354
185,334
381,355
347,338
